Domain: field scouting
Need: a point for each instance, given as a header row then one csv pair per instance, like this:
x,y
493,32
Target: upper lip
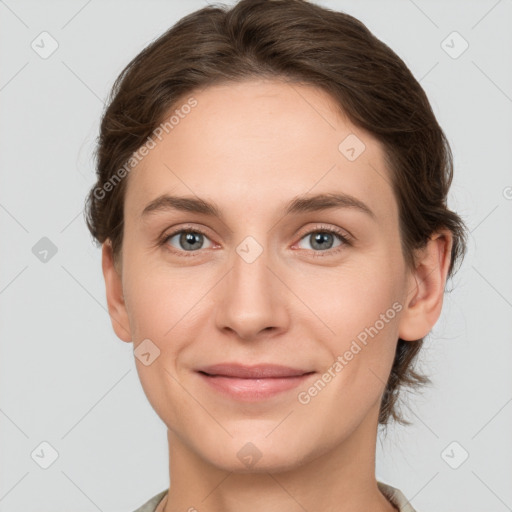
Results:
x,y
259,371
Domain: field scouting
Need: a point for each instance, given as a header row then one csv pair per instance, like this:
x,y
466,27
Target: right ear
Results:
x,y
114,290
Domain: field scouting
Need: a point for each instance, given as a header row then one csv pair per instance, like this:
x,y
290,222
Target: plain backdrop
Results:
x,y
70,397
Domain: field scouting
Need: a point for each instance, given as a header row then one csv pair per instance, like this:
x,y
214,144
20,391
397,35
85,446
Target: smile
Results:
x,y
252,383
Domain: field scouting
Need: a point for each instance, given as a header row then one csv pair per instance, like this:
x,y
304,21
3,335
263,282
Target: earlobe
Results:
x,y
114,292
426,286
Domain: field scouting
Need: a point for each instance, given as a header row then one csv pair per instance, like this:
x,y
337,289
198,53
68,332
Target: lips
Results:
x,y
252,383
261,371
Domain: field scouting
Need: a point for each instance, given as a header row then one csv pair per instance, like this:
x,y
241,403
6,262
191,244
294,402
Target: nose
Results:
x,y
252,297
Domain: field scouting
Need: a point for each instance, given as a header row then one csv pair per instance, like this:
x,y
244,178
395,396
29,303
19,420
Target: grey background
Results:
x,y
65,379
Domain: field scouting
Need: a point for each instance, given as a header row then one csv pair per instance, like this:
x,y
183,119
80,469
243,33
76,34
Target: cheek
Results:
x,y
159,300
161,309
359,305
354,297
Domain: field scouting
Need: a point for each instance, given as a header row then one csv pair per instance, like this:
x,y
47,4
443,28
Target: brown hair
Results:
x,y
304,43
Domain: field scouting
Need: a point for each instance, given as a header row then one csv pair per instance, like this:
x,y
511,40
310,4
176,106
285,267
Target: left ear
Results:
x,y
426,285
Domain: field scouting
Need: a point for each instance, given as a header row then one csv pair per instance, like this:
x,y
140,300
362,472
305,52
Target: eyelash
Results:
x,y
346,241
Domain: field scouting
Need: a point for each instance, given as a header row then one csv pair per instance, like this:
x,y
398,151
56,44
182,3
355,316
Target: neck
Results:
x,y
341,480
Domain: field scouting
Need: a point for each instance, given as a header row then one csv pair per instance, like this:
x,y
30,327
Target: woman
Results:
x,y
272,207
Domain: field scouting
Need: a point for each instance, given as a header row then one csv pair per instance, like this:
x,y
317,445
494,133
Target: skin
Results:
x,y
250,148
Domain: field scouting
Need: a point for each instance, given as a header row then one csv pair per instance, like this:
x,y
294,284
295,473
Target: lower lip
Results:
x,y
253,390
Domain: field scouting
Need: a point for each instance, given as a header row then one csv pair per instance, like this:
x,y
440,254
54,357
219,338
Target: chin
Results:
x,y
258,454
271,463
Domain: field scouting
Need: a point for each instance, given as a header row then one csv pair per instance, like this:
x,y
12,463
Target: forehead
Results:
x,y
261,142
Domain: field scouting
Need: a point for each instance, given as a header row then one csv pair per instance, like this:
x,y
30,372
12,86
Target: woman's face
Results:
x,y
265,279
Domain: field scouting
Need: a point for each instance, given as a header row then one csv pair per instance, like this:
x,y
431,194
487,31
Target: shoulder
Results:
x,y
396,497
151,504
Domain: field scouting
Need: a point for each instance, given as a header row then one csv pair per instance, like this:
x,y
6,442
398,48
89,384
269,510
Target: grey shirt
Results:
x,y
395,496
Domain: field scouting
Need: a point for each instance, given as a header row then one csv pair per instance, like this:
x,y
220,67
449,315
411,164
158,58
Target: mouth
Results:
x,y
252,383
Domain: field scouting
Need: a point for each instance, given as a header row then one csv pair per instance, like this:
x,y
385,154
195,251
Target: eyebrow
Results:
x,y
301,204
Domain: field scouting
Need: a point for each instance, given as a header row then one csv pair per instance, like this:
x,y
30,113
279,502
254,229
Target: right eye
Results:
x,y
187,240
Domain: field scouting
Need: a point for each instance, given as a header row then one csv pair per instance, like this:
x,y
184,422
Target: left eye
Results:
x,y
323,239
